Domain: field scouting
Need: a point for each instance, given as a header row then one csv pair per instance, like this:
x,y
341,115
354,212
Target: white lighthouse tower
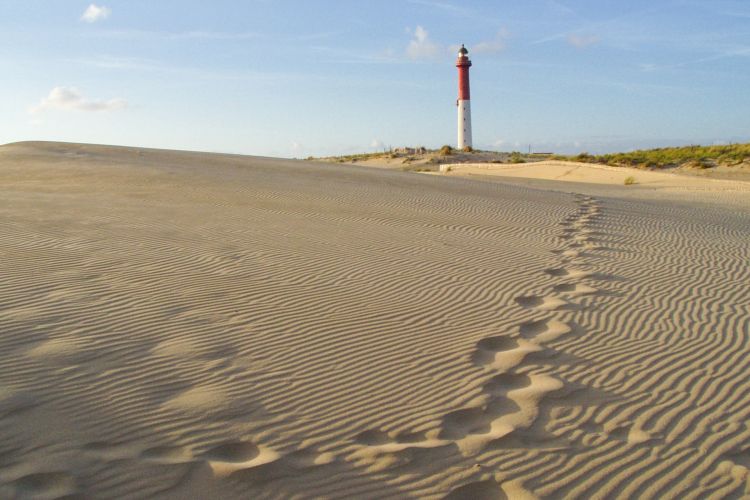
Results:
x,y
464,99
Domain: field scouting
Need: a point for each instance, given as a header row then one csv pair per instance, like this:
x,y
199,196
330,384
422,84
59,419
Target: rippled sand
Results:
x,y
210,326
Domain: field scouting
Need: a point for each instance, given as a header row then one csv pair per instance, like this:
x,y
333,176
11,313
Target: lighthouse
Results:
x,y
464,100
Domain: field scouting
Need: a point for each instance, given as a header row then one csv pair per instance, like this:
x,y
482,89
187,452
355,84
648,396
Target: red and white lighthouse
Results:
x,y
464,100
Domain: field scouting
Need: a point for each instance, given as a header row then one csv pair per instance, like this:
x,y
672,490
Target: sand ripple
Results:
x,y
188,325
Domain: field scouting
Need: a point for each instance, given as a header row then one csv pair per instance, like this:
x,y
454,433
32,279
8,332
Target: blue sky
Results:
x,y
312,77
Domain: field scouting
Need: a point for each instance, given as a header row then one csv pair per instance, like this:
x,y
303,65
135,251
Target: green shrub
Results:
x,y
706,156
446,150
516,157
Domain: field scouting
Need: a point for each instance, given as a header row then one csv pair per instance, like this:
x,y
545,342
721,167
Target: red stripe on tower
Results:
x,y
463,64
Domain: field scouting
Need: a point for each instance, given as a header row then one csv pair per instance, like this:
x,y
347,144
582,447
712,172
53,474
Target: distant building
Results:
x,y
411,151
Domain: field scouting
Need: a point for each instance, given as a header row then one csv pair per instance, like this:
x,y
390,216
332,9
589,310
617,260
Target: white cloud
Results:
x,y
377,144
492,46
421,47
70,99
94,13
582,41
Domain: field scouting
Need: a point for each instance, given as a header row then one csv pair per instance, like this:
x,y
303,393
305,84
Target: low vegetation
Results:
x,y
516,157
689,156
420,158
359,157
629,181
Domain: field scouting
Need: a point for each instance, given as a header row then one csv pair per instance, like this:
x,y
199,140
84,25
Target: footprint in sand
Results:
x,y
257,464
569,254
223,459
502,352
162,454
57,484
584,239
563,272
544,330
478,420
512,403
541,303
372,438
574,289
501,384
567,236
233,452
167,455
410,437
230,457
478,490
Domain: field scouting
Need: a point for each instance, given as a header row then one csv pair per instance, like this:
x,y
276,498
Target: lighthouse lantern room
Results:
x,y
464,100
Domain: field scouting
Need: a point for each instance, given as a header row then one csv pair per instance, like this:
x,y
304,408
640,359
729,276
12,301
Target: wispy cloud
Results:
x,y
736,14
114,62
616,27
717,56
196,73
135,34
445,6
339,55
70,99
560,8
94,13
421,46
171,35
213,35
582,41
492,46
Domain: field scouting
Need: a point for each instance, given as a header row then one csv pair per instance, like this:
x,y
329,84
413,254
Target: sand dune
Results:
x,y
188,325
593,178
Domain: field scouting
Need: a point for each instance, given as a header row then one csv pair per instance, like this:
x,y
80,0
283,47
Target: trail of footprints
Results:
x,y
510,399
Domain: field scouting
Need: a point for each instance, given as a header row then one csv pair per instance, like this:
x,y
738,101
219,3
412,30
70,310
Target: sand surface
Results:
x,y
187,325
588,173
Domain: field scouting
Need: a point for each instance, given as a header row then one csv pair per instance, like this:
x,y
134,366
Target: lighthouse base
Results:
x,y
464,123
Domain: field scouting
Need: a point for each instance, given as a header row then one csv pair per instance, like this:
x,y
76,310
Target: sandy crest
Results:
x,y
588,173
184,325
